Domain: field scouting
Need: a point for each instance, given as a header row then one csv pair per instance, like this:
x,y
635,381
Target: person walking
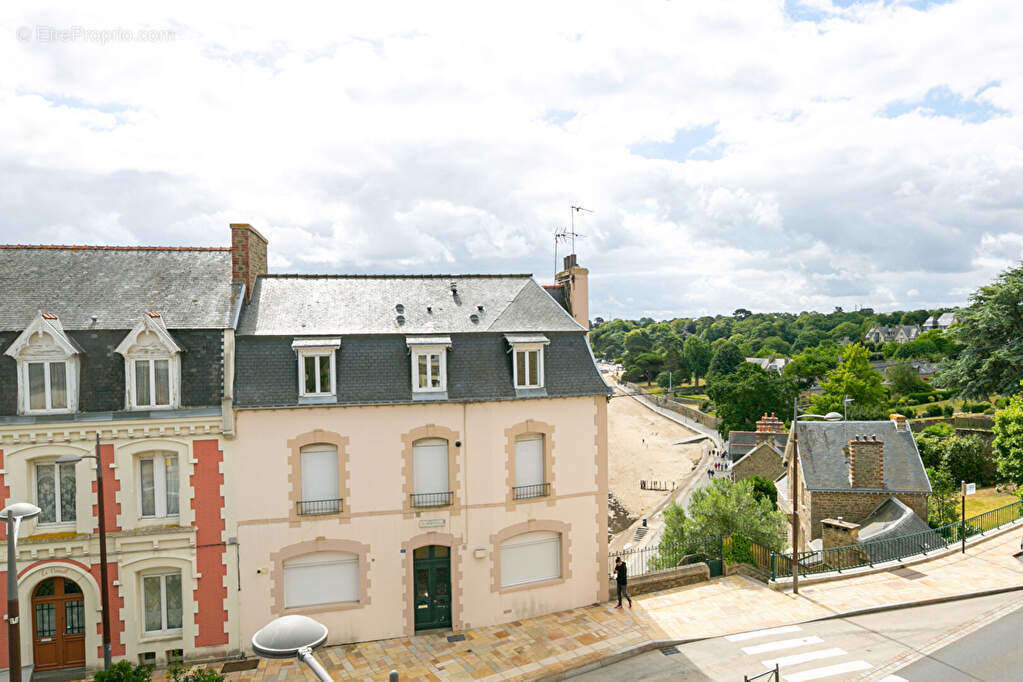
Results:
x,y
622,575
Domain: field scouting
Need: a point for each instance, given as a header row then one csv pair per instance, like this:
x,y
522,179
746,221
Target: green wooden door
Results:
x,y
431,568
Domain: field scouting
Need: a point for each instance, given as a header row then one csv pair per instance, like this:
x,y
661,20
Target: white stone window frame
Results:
x,y
58,516
527,343
161,574
159,460
429,346
162,347
28,349
318,349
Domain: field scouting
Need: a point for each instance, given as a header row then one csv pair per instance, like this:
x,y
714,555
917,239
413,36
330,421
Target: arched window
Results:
x,y
321,578
320,482
431,485
530,558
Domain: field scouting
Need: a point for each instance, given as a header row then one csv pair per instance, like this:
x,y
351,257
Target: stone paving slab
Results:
x,y
544,646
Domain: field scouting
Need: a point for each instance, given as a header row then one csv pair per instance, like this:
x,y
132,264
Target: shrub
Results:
x,y
124,671
196,674
934,411
950,410
939,430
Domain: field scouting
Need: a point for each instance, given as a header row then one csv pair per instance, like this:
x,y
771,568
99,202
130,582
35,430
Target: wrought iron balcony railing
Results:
x,y
313,507
524,492
431,499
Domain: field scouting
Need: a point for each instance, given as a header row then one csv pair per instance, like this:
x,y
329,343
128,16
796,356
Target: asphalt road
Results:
x,y
979,636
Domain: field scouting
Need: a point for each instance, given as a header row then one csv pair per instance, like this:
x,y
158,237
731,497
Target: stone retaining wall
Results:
x,y
654,582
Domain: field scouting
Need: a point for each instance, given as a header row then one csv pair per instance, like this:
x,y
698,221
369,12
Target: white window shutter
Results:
x,y
319,472
321,578
530,557
430,466
529,460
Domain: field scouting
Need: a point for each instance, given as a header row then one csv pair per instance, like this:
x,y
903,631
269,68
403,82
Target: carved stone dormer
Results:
x,y
48,362
152,366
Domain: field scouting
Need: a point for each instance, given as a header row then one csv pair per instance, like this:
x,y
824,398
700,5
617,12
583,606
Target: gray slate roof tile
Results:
x,y
190,288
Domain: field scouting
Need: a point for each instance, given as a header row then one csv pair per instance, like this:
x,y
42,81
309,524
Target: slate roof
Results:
x,y
368,304
190,287
893,519
824,462
741,442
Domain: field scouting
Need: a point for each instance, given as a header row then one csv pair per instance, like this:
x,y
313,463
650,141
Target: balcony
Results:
x,y
430,499
316,507
524,492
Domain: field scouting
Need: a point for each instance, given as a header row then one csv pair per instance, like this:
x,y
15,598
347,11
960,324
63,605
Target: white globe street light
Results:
x,y
13,515
292,636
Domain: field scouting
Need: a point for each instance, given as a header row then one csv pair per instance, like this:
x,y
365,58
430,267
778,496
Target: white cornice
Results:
x,y
74,432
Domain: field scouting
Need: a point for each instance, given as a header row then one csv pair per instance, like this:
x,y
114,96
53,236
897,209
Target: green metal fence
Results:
x,y
879,551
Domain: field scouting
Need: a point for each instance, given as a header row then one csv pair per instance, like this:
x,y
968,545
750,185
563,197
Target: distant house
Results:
x,y
847,471
899,333
740,443
765,458
942,322
770,364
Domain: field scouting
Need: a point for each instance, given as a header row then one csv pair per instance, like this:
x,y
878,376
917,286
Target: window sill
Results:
x,y
147,408
548,582
539,392
430,395
317,399
162,637
323,608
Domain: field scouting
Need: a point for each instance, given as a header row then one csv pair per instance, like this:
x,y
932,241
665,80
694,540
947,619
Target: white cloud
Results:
x,y
365,137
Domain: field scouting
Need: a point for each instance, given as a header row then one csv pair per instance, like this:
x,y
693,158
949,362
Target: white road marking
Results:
x,y
818,673
894,678
796,659
781,644
763,633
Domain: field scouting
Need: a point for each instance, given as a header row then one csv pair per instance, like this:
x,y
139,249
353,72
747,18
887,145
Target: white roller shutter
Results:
x,y
430,464
321,578
530,557
319,472
529,460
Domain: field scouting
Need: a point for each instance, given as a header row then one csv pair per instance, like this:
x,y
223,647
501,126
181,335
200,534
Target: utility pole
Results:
x,y
795,502
962,530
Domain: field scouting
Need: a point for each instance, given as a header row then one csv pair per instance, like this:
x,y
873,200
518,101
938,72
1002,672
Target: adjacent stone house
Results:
x,y
848,470
899,333
766,457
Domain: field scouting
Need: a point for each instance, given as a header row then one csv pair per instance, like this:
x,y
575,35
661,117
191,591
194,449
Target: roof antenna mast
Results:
x,y
567,235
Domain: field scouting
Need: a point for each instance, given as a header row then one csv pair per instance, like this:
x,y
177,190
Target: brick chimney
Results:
x,y
767,427
866,462
577,291
248,256
900,422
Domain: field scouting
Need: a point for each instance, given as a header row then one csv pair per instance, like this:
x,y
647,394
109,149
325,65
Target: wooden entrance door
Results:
x,y
58,625
431,568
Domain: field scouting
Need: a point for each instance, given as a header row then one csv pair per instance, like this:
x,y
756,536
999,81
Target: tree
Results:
x,y
741,314
764,488
856,379
775,345
637,341
991,332
722,509
941,507
697,356
1008,442
904,379
812,364
963,458
741,398
649,363
726,360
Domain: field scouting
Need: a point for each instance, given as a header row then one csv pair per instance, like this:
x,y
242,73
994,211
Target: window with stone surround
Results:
x,y
47,367
317,367
530,557
152,366
321,578
162,607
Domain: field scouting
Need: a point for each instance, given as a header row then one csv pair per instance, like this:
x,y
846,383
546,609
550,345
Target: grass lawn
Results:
x,y
987,499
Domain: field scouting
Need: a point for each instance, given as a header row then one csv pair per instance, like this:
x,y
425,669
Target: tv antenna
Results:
x,y
567,234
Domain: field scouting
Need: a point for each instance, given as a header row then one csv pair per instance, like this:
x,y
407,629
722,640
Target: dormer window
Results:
x,y
152,369
527,359
429,363
317,367
47,361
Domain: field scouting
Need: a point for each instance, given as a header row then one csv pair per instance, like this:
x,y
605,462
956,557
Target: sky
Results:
x,y
775,155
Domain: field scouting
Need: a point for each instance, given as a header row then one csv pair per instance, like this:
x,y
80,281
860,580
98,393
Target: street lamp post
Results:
x,y
104,584
831,417
293,636
13,515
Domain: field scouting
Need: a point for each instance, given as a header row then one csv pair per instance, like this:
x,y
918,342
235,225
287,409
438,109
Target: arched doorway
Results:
x,y
58,625
431,566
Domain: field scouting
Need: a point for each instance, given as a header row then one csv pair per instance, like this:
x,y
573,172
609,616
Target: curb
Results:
x,y
638,649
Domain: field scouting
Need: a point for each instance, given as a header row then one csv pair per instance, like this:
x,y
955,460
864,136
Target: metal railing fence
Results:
x,y
524,492
879,551
430,499
313,507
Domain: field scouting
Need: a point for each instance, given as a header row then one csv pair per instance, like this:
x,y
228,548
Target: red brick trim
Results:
x,y
210,594
116,605
5,493
111,486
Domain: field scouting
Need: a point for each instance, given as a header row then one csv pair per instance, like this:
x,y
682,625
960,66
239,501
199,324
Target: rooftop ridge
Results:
x,y
82,247
281,275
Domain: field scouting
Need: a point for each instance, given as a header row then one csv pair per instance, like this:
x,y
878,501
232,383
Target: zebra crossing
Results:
x,y
801,657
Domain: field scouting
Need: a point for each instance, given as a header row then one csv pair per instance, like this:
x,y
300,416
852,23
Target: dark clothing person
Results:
x,y
622,578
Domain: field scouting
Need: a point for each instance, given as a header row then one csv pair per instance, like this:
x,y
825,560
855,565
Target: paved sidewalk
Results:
x,y
538,647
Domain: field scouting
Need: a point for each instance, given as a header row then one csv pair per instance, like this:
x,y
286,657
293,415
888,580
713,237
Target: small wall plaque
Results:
x,y
431,523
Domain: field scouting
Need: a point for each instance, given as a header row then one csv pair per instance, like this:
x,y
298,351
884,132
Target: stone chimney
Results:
x,y
767,427
248,256
866,462
839,533
900,422
577,291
